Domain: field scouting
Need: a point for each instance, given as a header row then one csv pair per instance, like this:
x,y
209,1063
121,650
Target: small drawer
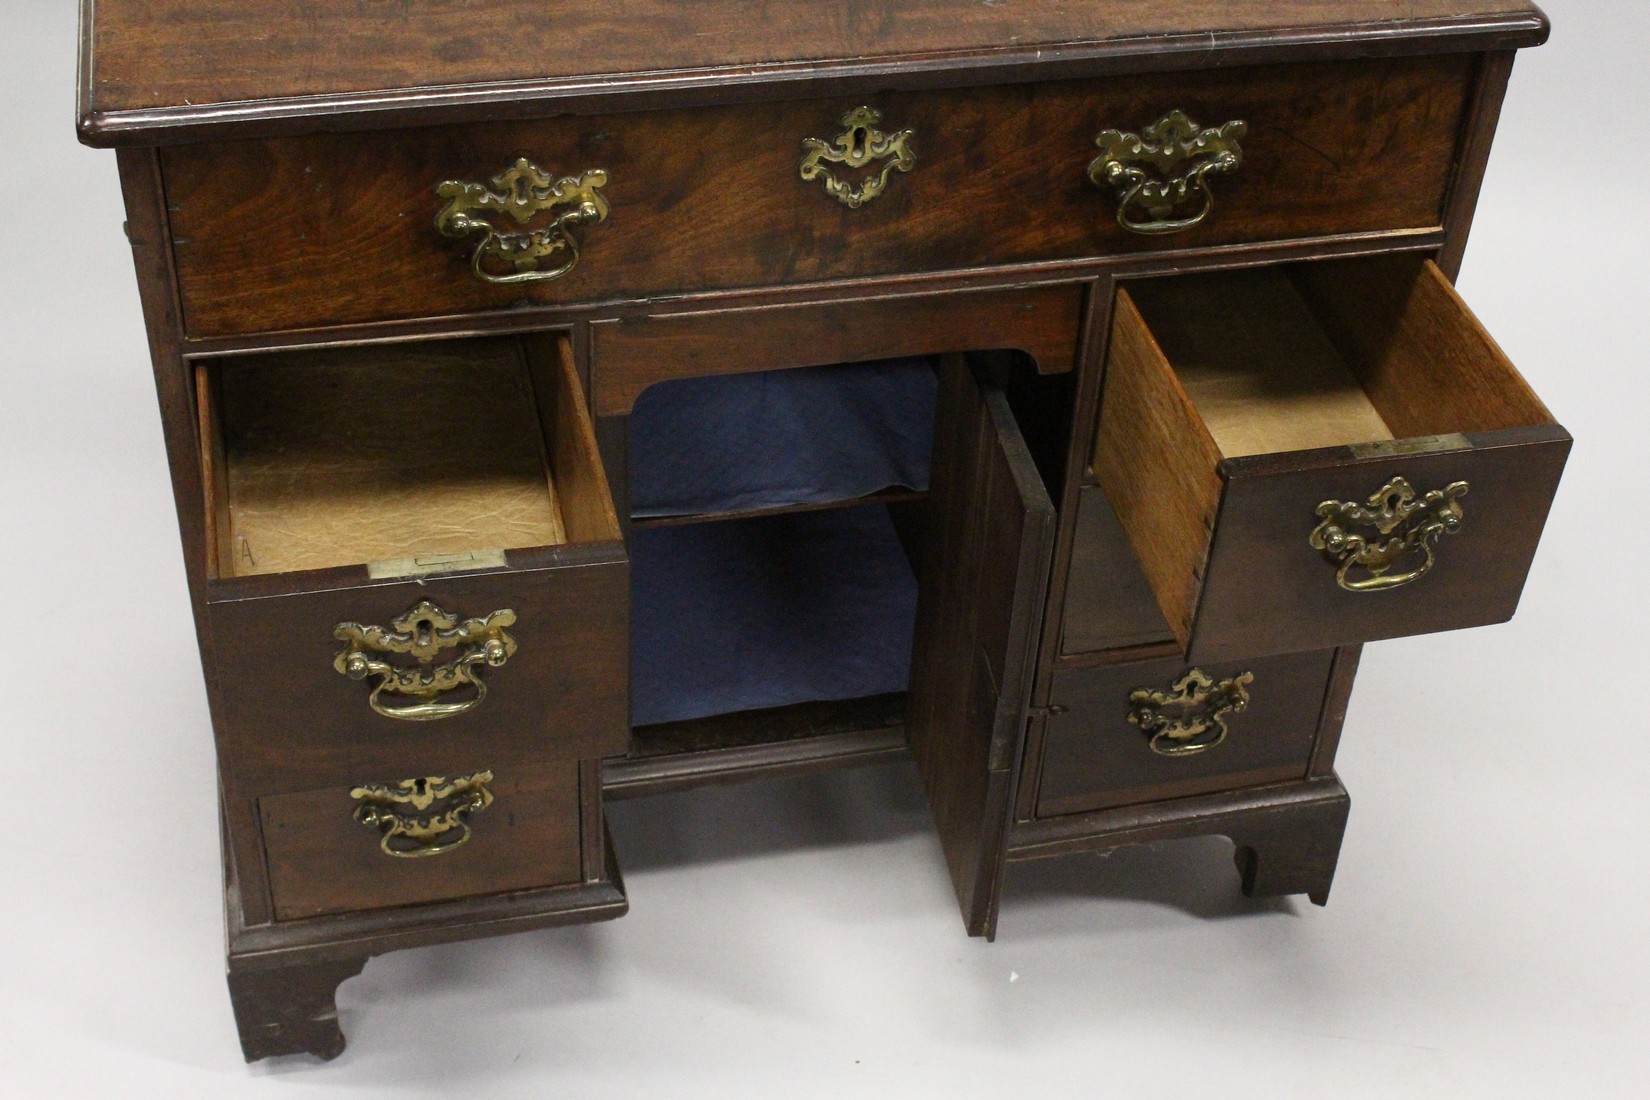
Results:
x,y
664,203
417,567
397,841
1320,455
1154,730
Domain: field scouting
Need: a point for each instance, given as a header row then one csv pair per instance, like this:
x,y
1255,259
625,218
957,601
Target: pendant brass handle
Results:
x,y
423,632
422,817
860,144
1160,177
523,192
1190,717
1401,526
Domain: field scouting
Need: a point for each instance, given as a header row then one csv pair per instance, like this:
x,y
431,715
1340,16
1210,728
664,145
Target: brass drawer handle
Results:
x,y
523,191
1158,173
1190,717
423,632
422,817
1405,527
859,144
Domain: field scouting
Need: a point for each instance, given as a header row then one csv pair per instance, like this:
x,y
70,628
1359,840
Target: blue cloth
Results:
x,y
741,614
780,437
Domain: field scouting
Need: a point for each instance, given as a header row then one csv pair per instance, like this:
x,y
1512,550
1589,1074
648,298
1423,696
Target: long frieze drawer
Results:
x,y
1128,734
346,228
402,840
417,565
1319,455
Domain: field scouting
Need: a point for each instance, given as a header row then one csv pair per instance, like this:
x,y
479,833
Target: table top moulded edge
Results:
x,y
231,69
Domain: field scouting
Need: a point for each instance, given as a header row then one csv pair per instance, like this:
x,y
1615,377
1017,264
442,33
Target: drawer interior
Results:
x,y
401,458
1272,360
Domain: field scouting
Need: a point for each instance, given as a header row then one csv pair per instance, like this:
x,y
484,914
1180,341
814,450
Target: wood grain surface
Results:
x,y
1256,362
148,64
292,722
1157,463
634,353
340,228
1094,759
321,860
1394,320
1355,347
582,487
1266,590
350,456
991,526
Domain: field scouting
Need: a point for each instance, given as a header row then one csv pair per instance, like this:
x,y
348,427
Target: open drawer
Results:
x,y
1319,455
418,571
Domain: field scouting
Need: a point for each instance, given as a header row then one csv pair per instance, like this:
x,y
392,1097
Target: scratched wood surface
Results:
x,y
185,55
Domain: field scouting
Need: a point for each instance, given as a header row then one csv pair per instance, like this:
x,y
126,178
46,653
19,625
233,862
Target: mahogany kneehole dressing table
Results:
x,y
495,354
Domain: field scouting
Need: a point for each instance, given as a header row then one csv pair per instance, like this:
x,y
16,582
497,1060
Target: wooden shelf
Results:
x,y
758,744
885,496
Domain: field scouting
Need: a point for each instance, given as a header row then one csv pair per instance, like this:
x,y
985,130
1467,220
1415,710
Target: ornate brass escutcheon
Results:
x,y
523,192
1406,528
859,144
422,633
1160,177
422,817
1190,717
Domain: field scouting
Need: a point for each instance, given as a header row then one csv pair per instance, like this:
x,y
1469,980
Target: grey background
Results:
x,y
1487,932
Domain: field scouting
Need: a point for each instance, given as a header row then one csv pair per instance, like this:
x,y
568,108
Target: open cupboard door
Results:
x,y
983,577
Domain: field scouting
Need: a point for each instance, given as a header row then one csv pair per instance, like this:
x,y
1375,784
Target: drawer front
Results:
x,y
632,353
1129,734
289,720
266,232
381,843
1269,589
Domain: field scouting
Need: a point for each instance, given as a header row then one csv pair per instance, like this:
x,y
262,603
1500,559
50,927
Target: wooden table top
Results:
x,y
171,70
